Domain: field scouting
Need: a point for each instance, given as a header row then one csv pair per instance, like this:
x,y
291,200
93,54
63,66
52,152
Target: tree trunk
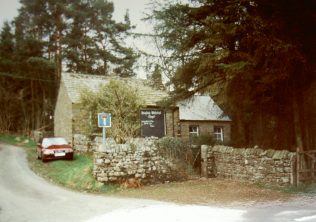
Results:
x,y
241,134
297,122
32,105
58,59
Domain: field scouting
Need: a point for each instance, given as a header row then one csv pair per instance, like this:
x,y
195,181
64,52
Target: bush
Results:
x,y
203,140
171,147
179,151
116,98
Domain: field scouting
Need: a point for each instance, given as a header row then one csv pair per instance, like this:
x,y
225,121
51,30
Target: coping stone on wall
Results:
x,y
281,154
274,154
266,166
222,149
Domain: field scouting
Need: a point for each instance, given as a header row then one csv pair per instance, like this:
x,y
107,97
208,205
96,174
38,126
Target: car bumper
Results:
x,y
53,157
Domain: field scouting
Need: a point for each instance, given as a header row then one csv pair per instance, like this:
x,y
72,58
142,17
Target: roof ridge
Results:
x,y
75,81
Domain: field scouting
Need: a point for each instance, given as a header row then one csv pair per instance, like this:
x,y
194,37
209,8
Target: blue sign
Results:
x,y
104,119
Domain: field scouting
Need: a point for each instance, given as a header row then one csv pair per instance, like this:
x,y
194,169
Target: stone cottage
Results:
x,y
197,115
68,98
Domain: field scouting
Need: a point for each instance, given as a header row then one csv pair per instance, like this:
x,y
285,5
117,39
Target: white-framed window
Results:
x,y
193,131
218,133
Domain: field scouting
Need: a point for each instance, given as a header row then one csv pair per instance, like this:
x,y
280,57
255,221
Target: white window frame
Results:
x,y
219,133
195,132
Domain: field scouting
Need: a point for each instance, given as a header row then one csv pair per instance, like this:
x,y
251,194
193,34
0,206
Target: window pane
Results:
x,y
218,133
194,130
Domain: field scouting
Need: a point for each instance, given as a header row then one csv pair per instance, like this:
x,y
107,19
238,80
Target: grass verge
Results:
x,y
301,189
76,174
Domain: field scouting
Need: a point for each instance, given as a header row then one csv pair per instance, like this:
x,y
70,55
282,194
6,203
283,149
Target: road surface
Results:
x,y
25,197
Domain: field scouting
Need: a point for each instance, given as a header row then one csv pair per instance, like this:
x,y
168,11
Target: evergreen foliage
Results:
x,y
45,36
258,51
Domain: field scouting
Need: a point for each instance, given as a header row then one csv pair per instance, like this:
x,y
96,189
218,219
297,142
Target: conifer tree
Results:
x,y
258,52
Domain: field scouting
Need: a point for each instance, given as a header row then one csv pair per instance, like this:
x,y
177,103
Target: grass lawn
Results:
x,y
77,174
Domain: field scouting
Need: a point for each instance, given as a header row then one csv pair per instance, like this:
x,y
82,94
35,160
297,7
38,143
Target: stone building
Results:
x,y
69,95
198,115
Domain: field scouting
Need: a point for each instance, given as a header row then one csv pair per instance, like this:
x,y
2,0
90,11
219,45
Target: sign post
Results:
x,y
103,135
104,121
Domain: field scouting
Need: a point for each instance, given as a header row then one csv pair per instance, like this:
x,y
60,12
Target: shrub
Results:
x,y
116,98
179,151
203,140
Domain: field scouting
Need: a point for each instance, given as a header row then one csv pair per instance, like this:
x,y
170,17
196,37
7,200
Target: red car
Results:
x,y
54,148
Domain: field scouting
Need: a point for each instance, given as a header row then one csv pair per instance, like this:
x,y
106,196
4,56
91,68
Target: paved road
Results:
x,y
25,197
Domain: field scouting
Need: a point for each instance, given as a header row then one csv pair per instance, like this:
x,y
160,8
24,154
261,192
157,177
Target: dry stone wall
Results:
x,y
83,143
252,164
138,159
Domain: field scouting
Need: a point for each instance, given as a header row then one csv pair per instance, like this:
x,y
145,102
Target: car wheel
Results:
x,y
71,157
43,159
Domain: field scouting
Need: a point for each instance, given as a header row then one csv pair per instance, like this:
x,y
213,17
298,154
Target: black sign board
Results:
x,y
152,123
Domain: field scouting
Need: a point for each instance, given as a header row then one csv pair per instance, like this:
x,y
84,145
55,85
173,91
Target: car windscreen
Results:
x,y
53,141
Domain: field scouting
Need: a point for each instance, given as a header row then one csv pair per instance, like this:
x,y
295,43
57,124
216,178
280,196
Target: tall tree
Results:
x,y
6,48
81,34
27,73
101,47
250,49
44,22
79,50
6,65
156,78
48,34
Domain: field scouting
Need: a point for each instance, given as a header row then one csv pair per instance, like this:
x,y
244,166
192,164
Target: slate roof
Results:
x,y
75,82
201,108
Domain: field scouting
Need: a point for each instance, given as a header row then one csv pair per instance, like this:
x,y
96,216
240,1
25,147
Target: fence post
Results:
x,y
293,176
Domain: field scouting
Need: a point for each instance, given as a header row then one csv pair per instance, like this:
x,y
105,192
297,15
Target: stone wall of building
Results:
x,y
205,128
63,115
272,167
170,124
138,159
180,128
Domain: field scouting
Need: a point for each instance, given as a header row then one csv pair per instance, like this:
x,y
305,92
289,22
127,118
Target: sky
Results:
x,y
136,11
8,9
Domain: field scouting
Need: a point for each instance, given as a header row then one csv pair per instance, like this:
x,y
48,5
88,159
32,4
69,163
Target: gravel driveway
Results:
x,y
26,197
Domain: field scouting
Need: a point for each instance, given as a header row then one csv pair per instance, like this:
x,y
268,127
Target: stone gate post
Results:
x,y
204,149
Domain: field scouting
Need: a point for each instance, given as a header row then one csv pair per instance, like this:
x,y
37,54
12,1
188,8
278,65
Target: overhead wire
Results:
x,y
5,74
